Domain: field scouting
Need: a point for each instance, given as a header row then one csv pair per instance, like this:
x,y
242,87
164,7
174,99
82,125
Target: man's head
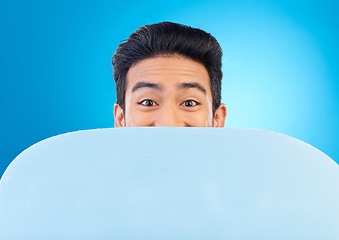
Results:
x,y
168,74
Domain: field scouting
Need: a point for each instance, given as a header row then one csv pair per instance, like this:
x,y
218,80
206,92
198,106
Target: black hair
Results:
x,y
166,39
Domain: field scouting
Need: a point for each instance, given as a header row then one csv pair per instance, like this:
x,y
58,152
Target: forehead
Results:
x,y
168,71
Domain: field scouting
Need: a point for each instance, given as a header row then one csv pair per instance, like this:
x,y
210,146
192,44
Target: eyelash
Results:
x,y
195,103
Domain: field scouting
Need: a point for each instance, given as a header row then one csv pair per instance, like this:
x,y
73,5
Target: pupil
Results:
x,y
148,103
189,103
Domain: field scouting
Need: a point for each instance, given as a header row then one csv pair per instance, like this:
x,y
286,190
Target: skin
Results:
x,y
168,91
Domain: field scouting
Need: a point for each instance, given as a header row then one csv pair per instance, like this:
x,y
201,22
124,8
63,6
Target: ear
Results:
x,y
220,116
119,119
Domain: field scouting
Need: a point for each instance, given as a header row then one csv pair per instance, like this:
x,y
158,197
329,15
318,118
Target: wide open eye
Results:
x,y
190,103
148,103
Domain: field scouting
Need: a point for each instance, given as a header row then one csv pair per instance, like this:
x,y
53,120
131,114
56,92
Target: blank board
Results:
x,y
170,183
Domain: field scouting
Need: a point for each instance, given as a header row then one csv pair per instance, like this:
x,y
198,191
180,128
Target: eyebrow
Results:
x,y
193,85
146,85
155,86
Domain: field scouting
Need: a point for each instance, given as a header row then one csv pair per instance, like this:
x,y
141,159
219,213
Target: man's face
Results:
x,y
168,91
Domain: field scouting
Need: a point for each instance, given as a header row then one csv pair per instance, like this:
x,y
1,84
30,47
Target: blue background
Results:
x,y
280,65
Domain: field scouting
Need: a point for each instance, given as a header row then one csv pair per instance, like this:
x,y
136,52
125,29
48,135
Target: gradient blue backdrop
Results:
x,y
280,65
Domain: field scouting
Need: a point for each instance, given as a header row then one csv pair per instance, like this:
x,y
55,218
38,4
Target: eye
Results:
x,y
190,103
148,103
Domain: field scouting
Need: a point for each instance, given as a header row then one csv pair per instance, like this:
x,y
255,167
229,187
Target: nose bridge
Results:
x,y
168,117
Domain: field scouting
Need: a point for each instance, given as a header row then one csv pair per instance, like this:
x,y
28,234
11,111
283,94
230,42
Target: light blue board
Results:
x,y
170,183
